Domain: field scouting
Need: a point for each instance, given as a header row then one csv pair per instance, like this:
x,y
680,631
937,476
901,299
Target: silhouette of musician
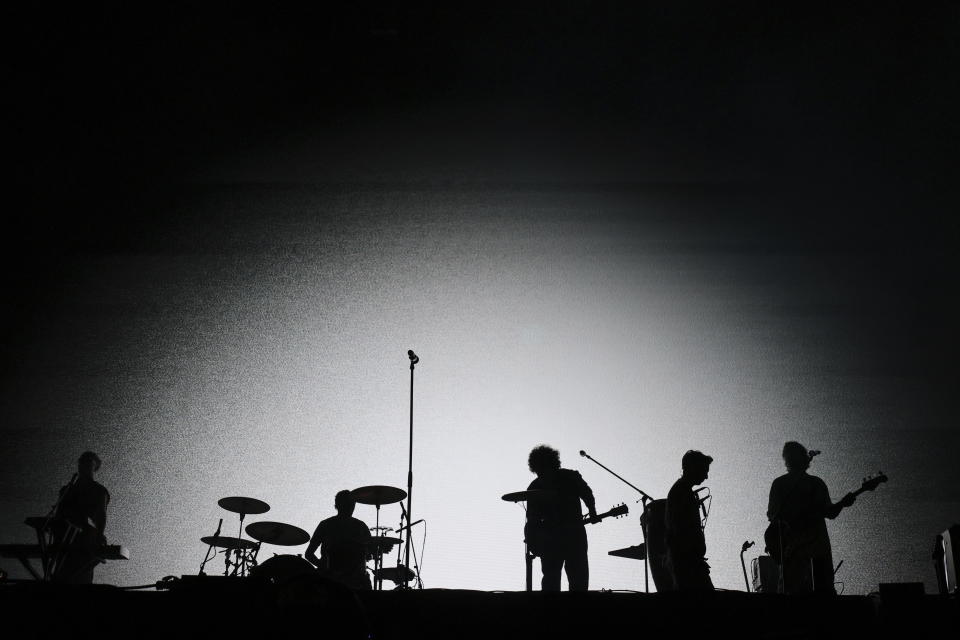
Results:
x,y
686,545
81,518
798,505
555,528
342,540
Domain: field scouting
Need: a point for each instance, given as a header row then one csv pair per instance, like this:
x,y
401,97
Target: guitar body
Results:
x,y
537,532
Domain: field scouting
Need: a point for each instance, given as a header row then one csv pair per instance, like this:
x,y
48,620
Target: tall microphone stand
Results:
x,y
645,498
406,554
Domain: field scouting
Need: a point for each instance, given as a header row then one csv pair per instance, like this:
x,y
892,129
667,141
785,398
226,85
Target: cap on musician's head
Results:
x,y
344,501
695,459
543,459
89,457
795,455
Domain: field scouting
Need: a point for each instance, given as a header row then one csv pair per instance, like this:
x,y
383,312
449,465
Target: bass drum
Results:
x,y
282,568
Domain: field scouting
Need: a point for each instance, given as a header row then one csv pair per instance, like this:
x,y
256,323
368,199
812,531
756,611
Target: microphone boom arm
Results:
x,y
644,494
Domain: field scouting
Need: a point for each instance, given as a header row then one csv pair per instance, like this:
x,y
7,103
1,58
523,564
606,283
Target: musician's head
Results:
x,y
88,464
796,456
543,459
696,466
344,502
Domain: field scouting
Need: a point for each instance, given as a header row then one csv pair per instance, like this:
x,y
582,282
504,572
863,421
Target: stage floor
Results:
x,y
213,606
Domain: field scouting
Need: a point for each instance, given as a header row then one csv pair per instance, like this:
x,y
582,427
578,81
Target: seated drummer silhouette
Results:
x,y
81,518
555,529
342,540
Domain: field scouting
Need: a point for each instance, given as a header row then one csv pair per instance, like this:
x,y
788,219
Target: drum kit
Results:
x,y
240,554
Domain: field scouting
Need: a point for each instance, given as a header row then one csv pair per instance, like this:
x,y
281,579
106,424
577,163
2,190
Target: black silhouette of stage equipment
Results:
x,y
243,552
56,537
398,575
51,555
378,546
743,549
647,519
618,511
528,556
277,533
408,512
635,552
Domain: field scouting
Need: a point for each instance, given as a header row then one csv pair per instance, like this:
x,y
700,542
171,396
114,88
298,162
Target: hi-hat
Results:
x,y
531,494
378,495
278,533
227,542
244,506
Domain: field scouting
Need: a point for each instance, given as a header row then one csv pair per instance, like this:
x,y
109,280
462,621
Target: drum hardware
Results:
x,y
397,575
277,533
244,552
378,495
522,496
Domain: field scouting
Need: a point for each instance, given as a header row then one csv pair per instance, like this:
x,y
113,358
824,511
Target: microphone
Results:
x,y
812,453
583,453
413,357
412,524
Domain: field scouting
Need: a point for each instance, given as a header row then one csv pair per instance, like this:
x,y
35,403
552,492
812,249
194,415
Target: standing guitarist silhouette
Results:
x,y
555,524
797,537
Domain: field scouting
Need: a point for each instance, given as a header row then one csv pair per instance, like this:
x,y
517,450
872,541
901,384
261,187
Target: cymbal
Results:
x,y
278,533
378,495
532,494
244,506
227,542
636,552
395,574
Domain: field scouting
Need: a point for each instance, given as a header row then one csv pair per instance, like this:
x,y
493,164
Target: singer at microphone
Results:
x,y
798,505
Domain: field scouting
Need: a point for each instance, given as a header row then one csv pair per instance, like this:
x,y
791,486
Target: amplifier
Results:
x,y
766,574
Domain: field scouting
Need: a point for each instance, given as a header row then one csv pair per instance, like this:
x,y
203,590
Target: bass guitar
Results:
x,y
778,530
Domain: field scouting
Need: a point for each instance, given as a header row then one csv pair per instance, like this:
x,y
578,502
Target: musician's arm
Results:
x,y
586,494
99,518
773,503
833,509
310,553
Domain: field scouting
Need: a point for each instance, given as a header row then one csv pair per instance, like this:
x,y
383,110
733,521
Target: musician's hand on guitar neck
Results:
x,y
592,517
848,500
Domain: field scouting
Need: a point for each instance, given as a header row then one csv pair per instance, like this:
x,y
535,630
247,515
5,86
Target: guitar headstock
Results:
x,y
619,510
872,482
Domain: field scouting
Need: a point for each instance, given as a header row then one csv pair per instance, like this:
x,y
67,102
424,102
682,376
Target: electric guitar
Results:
x,y
535,533
778,529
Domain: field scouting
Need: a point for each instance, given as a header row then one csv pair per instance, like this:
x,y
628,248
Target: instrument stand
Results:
x,y
377,558
406,556
644,498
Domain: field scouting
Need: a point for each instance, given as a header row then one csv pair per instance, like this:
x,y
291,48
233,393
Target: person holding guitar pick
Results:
x,y
555,526
797,537
686,544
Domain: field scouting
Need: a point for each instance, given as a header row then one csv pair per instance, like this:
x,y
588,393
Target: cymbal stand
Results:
x,y
644,498
377,557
